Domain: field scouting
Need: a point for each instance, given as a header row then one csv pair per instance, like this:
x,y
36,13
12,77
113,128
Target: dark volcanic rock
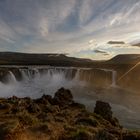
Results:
x,y
45,99
103,109
58,118
63,97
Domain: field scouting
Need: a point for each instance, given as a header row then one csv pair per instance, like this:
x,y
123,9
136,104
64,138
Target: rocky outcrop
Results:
x,y
104,110
58,118
63,97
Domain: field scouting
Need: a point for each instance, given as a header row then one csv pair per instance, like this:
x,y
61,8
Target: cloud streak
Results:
x,y
66,25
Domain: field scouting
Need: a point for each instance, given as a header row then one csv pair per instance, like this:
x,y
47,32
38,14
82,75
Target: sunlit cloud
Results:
x,y
69,26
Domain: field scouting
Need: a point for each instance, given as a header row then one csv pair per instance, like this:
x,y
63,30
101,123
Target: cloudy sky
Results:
x,y
78,27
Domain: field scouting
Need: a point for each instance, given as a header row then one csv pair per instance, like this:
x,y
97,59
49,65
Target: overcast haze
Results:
x,y
78,27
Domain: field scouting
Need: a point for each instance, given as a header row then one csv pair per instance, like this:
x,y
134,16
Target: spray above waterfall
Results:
x,y
33,81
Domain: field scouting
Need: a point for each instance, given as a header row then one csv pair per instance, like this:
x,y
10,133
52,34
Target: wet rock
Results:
x,y
63,97
103,109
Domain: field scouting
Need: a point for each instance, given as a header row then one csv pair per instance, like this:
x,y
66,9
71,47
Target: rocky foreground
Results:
x,y
59,118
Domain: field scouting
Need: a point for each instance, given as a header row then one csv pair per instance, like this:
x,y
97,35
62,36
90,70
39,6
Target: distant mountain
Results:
x,y
115,42
15,58
125,59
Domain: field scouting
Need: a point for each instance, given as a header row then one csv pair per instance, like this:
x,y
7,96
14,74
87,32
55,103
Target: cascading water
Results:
x,y
36,81
87,75
11,78
48,78
114,78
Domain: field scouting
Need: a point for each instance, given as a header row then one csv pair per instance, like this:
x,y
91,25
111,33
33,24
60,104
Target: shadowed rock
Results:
x,y
63,97
103,109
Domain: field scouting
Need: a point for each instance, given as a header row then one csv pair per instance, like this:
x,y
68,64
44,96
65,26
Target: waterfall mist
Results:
x,y
87,86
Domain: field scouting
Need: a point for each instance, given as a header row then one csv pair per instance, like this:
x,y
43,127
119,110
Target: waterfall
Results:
x,y
114,78
90,77
11,77
77,76
36,81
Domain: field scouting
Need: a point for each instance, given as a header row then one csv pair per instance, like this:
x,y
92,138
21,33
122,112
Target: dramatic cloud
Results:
x,y
100,51
68,26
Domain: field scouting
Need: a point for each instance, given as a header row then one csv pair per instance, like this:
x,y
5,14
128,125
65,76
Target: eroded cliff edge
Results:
x,y
59,118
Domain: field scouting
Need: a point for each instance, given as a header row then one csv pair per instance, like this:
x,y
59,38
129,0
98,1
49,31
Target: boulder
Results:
x,y
63,97
103,109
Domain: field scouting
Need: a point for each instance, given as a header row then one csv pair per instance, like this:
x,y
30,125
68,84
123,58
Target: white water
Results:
x,y
35,83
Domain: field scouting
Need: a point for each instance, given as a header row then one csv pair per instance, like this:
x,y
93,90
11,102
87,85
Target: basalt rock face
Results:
x,y
58,118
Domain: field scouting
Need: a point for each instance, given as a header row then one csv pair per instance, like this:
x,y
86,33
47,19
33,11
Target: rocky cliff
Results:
x,y
59,118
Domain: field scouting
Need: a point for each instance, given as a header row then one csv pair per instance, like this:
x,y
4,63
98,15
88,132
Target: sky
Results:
x,y
80,28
